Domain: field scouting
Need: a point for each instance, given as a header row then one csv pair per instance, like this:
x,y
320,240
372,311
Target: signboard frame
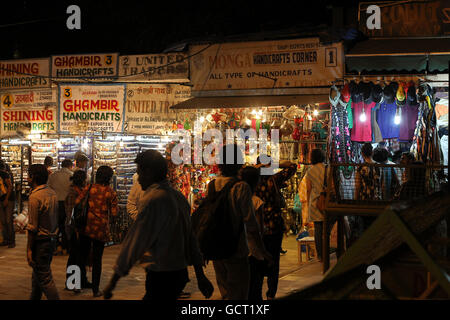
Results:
x,y
95,85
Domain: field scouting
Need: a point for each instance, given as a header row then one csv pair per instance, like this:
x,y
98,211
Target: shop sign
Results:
x,y
148,107
266,64
95,108
28,112
85,66
25,74
411,19
171,66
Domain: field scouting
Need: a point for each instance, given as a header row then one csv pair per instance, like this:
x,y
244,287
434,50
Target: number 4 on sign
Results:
x,y
7,101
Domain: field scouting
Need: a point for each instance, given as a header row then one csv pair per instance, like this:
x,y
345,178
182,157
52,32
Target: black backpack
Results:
x,y
80,212
212,224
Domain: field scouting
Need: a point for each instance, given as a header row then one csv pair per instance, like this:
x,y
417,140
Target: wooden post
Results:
x,y
325,244
340,236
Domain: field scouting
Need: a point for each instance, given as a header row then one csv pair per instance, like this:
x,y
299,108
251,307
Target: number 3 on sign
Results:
x,y
68,93
108,60
7,101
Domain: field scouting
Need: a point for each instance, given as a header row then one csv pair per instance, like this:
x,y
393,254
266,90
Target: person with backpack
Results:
x,y
7,202
227,229
73,234
161,238
268,190
251,175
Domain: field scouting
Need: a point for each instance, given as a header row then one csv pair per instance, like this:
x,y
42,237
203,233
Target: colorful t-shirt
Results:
x,y
385,120
408,122
369,180
362,130
350,114
102,203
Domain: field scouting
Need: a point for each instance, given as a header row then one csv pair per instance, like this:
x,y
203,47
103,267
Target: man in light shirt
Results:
x,y
133,198
161,237
60,182
42,228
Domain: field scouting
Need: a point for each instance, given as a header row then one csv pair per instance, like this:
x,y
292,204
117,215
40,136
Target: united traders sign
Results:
x,y
32,111
154,67
266,64
148,107
86,66
100,107
25,74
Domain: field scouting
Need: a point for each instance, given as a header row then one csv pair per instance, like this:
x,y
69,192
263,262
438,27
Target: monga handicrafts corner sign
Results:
x,y
101,107
85,66
266,64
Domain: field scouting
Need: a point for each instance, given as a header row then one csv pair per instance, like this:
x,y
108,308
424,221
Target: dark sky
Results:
x,y
132,26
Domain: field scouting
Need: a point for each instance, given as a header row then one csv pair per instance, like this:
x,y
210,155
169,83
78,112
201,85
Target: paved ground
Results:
x,y
15,275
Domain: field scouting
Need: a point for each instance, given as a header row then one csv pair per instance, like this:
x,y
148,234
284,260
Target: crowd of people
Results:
x,y
162,237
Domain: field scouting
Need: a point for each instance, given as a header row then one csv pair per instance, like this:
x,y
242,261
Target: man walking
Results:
x,y
42,227
233,273
7,202
60,182
161,237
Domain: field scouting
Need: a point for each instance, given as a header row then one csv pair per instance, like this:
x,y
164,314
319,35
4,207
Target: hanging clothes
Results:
x,y
341,147
376,132
362,130
385,120
408,122
349,114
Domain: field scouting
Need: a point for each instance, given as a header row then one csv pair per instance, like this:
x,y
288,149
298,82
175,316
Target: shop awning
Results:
x,y
250,101
412,55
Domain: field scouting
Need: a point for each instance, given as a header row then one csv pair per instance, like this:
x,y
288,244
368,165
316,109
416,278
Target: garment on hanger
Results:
x,y
376,132
362,130
385,120
341,147
408,122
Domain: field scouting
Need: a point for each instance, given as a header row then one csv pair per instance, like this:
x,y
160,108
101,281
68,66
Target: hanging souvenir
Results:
x,y
234,121
187,125
296,133
276,123
286,128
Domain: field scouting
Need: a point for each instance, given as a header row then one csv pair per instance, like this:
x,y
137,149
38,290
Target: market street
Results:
x,y
15,275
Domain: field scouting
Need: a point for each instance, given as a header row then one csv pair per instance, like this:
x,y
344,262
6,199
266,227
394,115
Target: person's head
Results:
x,y
81,161
232,160
48,161
407,158
151,168
366,150
67,163
104,175
317,156
397,156
37,175
380,155
417,173
79,178
251,175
